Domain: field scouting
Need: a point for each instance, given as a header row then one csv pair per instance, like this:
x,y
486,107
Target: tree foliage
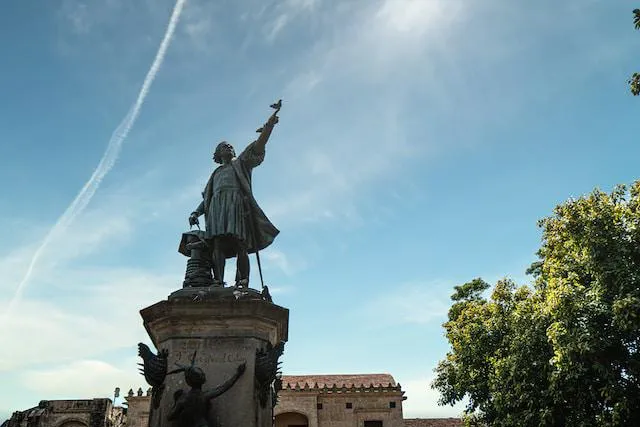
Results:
x,y
634,82
564,351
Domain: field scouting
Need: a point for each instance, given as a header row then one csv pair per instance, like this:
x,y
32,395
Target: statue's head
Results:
x,y
224,153
194,377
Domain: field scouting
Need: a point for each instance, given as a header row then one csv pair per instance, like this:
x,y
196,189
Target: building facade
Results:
x,y
373,400
362,400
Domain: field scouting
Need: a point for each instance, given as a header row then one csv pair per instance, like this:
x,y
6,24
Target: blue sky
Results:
x,y
419,143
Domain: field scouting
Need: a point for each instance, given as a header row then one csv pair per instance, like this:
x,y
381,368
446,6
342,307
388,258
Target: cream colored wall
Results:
x,y
365,406
138,411
302,403
334,412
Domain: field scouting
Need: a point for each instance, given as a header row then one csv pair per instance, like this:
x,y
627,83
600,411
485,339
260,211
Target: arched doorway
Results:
x,y
72,423
291,419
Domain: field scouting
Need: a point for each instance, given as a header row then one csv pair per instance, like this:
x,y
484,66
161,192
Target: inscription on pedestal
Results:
x,y
208,352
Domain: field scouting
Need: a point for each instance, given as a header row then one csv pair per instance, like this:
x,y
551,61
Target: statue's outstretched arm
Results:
x,y
200,209
213,393
253,155
265,133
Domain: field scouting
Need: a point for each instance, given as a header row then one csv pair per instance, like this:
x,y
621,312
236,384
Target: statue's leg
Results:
x,y
218,261
242,265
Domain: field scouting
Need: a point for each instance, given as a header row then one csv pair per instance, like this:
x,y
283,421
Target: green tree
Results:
x,y
565,351
634,82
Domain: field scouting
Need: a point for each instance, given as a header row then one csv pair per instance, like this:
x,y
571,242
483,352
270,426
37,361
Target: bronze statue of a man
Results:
x,y
235,224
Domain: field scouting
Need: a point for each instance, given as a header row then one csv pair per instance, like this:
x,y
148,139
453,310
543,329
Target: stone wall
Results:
x,y
348,409
304,403
138,410
433,422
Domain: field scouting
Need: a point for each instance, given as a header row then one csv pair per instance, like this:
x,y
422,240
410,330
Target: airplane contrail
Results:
x,y
108,158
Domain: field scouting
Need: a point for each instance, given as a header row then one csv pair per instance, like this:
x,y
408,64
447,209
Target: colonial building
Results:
x,y
364,400
339,401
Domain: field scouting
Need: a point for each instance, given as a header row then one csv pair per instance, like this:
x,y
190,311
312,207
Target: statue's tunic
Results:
x,y
227,212
229,206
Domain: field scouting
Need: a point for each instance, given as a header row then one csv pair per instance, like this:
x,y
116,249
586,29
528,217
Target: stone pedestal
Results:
x,y
224,331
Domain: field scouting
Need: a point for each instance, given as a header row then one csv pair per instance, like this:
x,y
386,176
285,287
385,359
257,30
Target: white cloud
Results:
x,y
412,304
283,14
416,17
76,13
362,57
198,24
75,294
301,84
96,316
280,290
302,4
280,260
83,16
339,163
378,41
422,401
83,379
111,222
276,27
91,233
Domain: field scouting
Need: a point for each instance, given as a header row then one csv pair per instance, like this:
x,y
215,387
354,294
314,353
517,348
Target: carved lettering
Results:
x,y
207,352
205,359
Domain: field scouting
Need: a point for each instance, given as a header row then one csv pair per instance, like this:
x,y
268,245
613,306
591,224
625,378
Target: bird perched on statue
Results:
x,y
274,118
277,105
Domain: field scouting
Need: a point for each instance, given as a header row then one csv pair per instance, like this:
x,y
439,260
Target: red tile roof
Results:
x,y
432,422
339,381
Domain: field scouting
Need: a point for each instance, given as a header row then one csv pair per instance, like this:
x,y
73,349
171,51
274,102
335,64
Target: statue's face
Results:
x,y
224,153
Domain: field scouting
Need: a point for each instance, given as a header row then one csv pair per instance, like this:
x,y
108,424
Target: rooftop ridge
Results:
x,y
341,382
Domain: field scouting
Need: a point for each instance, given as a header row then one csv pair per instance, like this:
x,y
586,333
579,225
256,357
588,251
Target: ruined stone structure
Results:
x,y
69,413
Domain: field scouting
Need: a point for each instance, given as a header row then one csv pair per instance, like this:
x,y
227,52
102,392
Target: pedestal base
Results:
x,y
223,333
